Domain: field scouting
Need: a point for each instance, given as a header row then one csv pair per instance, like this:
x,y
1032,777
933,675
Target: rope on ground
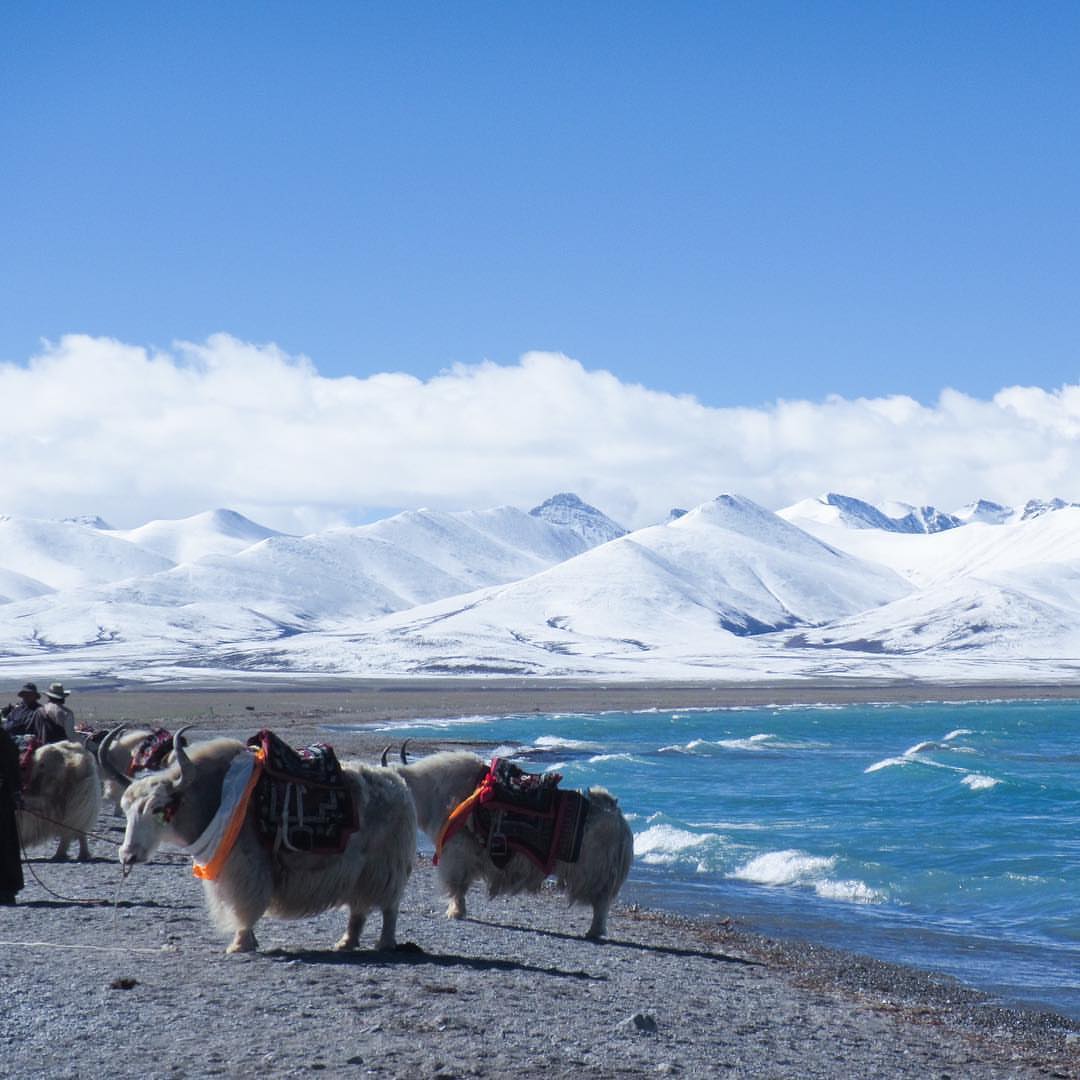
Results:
x,y
67,828
93,948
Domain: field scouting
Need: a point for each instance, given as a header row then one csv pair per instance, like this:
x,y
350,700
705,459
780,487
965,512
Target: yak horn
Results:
x,y
404,757
382,760
106,762
187,766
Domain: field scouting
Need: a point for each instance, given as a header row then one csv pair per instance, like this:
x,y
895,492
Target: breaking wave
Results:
x,y
665,845
979,781
799,869
751,743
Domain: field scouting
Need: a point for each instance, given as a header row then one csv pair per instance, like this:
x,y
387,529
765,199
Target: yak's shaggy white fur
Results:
x,y
370,873
62,799
441,781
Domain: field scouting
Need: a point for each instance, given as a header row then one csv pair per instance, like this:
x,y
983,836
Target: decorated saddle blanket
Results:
x,y
515,812
302,800
151,753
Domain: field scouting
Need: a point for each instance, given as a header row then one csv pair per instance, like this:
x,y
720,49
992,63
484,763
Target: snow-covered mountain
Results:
x,y
568,511
725,571
833,509
236,581
215,532
829,586
64,555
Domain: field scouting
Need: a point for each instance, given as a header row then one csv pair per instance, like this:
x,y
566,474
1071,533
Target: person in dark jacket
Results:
x,y
29,717
11,876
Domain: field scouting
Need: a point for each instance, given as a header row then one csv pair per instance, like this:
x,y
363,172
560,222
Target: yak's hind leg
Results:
x,y
598,929
351,938
456,888
388,937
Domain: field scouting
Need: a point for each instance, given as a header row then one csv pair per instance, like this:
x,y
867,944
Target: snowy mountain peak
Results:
x,y
91,521
834,509
1034,508
213,532
852,513
918,519
747,521
568,511
985,511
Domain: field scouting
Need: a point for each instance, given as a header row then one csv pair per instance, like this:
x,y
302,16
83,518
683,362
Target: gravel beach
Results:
x,y
144,987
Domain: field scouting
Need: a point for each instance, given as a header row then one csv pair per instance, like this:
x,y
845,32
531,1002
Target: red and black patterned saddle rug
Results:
x,y
150,754
520,812
302,801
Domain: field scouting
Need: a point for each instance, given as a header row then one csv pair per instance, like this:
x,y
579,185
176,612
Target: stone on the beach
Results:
x,y
643,1023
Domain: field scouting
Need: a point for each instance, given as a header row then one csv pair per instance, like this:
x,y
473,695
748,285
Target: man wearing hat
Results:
x,y
29,717
57,711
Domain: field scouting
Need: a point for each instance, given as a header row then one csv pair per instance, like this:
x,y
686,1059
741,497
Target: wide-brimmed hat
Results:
x,y
29,690
56,692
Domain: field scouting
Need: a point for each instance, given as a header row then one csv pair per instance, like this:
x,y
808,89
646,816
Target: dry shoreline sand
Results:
x,y
511,991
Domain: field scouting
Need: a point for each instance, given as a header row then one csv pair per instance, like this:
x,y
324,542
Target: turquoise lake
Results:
x,y
946,836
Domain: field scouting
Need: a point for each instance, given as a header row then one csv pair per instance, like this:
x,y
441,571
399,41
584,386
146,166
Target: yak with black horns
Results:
x,y
188,804
445,788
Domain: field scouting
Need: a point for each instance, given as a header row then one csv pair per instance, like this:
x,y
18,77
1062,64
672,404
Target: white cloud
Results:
x,y
96,426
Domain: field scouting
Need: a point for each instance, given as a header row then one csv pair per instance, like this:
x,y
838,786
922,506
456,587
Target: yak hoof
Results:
x,y
455,910
243,942
345,944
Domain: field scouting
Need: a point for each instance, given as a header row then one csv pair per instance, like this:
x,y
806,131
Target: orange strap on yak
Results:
x,y
461,812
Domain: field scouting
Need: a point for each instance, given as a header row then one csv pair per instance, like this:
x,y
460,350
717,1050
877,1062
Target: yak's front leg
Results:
x,y
243,941
351,938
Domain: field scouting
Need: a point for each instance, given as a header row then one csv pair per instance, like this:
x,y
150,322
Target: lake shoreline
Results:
x,y
829,1011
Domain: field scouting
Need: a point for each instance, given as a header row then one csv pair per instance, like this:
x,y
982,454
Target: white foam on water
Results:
x,y
666,844
921,748
754,742
789,867
957,733
619,757
887,763
979,781
556,742
792,867
912,756
850,892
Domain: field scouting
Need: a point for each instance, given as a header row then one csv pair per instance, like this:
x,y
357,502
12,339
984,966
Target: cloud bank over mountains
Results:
x,y
96,426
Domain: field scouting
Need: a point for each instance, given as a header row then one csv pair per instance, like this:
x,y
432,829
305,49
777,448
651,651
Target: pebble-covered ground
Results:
x,y
142,987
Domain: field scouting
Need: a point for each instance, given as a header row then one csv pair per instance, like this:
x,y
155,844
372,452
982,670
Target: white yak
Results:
x,y
177,804
440,782
62,798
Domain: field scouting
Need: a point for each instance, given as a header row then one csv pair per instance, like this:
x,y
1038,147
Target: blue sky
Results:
x,y
742,202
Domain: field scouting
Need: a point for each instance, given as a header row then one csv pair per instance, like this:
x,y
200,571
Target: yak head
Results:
x,y
150,803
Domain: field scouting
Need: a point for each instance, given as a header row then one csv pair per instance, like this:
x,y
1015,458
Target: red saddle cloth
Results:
x,y
528,814
302,800
151,753
27,746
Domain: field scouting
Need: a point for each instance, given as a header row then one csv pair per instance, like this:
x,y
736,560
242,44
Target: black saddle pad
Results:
x,y
302,800
529,814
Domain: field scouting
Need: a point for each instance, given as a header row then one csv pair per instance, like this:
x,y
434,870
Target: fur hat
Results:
x,y
56,692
